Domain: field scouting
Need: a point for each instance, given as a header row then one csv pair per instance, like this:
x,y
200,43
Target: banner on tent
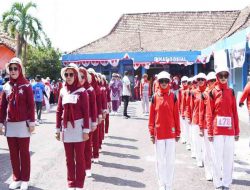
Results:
x,y
237,55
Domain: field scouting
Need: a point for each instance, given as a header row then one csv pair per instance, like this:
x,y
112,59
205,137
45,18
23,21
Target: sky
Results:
x,y
71,24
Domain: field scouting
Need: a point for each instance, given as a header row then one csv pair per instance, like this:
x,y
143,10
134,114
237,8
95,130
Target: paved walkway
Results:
x,y
126,162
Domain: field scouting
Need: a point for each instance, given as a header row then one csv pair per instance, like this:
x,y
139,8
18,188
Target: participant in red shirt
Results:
x,y
223,128
164,129
17,113
207,155
72,120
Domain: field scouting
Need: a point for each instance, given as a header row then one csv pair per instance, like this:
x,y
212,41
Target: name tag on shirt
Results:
x,y
69,99
224,121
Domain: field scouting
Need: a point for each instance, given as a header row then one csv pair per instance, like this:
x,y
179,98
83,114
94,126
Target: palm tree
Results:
x,y
22,26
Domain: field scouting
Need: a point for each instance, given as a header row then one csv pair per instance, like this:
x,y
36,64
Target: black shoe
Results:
x,y
128,116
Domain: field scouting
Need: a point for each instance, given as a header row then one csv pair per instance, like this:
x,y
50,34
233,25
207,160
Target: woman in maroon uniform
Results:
x,y
72,120
86,81
17,113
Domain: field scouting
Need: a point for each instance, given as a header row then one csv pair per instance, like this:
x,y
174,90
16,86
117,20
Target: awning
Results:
x,y
139,58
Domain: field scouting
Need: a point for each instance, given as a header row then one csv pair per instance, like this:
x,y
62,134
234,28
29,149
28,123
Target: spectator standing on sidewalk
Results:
x,y
126,93
17,113
72,119
39,90
164,130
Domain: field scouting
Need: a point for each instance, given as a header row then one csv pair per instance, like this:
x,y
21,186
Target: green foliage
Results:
x,y
23,26
43,61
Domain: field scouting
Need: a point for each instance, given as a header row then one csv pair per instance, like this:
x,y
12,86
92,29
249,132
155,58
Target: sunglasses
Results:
x,y
200,79
161,81
68,75
13,68
212,80
184,81
225,76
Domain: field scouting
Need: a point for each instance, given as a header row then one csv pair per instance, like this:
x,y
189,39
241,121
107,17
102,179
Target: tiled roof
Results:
x,y
6,40
169,31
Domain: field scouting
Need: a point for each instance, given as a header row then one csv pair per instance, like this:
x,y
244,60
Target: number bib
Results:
x,y
69,99
224,121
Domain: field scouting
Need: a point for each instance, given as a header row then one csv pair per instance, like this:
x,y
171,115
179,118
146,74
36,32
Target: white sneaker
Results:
x,y
24,185
37,123
193,156
40,121
88,173
71,188
162,188
79,188
96,160
188,147
15,185
200,164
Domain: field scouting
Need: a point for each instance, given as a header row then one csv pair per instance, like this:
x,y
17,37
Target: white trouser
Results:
x,y
47,105
145,103
223,159
197,142
187,128
207,156
165,159
183,126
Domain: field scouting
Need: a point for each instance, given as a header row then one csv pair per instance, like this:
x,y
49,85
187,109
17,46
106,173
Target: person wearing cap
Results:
x,y
95,137
86,83
193,115
145,93
182,98
207,146
126,93
72,120
223,128
17,114
115,95
164,130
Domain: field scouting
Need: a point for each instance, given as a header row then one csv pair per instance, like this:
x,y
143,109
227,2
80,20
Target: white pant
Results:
x,y
145,103
183,126
196,144
207,156
165,159
223,159
47,105
187,128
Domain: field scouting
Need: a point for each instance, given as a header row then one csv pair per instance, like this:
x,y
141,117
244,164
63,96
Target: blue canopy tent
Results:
x,y
127,60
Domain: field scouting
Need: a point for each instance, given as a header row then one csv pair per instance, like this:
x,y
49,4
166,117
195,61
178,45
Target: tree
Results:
x,y
44,61
22,26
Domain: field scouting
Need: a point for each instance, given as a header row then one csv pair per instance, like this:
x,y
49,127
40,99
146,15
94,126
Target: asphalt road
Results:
x,y
126,161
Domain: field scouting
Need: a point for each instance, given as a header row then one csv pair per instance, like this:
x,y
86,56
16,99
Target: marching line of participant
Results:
x,y
208,121
82,120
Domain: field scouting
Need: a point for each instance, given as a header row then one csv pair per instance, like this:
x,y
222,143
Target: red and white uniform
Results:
x,y
246,95
109,109
223,126
165,128
17,113
207,154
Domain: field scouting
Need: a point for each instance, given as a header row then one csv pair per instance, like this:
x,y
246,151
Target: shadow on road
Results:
x,y
6,169
122,138
241,182
120,155
118,181
122,167
121,146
